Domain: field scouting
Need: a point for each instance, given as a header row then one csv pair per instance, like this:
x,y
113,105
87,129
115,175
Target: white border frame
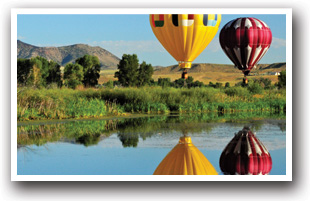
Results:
x,y
250,11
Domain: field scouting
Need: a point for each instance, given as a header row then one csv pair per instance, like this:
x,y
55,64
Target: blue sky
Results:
x,y
128,34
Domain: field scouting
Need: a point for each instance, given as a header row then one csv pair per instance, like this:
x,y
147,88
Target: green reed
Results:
x,y
37,104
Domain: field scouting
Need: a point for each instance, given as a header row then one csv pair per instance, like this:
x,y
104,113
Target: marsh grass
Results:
x,y
37,104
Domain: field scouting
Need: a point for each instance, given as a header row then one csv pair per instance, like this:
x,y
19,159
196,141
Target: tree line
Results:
x,y
39,72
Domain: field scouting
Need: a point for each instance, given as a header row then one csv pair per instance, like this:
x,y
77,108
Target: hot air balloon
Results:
x,y
245,41
185,159
245,155
185,36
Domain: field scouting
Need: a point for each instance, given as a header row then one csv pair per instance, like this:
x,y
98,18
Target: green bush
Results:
x,y
255,88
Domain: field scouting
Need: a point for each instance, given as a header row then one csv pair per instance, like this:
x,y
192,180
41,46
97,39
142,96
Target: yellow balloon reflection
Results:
x,y
185,36
185,159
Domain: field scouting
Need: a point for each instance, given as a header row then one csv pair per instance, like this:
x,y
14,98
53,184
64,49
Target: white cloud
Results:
x,y
21,37
278,42
122,47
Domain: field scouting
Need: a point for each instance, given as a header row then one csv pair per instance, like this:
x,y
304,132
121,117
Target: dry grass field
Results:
x,y
207,73
214,77
106,75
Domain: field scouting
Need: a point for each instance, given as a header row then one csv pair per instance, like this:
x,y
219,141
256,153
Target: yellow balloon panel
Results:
x,y
185,159
185,36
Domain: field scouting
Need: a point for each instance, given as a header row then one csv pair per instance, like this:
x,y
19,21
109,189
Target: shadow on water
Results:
x,y
130,130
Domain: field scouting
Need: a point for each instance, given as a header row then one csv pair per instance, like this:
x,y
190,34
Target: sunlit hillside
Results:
x,y
209,73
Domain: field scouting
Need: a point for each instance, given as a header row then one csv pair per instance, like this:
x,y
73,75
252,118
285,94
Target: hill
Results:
x,y
208,73
67,54
219,72
205,67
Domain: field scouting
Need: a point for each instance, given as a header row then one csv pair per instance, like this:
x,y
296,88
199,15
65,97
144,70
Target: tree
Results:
x,y
211,84
264,82
145,74
164,82
54,74
197,84
282,80
218,85
23,71
255,88
34,77
32,71
179,83
152,82
127,73
38,71
73,75
189,80
44,69
227,85
91,69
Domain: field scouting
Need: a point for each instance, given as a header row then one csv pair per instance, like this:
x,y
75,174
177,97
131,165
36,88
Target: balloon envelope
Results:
x,y
245,154
185,159
245,41
185,36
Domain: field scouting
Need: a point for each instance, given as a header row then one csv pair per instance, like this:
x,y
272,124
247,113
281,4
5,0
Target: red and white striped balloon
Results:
x,y
245,41
245,155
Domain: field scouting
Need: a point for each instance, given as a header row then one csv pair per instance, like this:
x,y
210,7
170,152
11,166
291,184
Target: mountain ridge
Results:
x,y
67,54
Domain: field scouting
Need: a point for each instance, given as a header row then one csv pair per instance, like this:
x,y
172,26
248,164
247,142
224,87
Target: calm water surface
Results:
x,y
136,146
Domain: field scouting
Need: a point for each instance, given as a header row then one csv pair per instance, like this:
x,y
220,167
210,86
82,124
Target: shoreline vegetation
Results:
x,y
64,103
46,93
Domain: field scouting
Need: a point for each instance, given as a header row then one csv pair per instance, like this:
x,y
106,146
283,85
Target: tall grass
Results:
x,y
67,103
61,104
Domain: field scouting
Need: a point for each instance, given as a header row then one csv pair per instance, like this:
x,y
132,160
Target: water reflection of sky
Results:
x,y
109,157
216,139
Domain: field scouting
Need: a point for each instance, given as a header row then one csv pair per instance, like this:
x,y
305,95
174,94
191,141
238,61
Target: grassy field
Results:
x,y
232,76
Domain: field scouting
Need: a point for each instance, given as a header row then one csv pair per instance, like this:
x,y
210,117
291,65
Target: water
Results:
x,y
136,146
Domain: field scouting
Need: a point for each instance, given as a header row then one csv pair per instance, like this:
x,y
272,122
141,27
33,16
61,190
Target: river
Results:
x,y
136,146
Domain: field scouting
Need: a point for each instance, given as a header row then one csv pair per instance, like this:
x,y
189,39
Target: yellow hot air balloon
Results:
x,y
185,159
185,36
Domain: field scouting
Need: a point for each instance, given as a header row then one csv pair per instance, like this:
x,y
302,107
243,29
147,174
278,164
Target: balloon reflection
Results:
x,y
245,155
185,159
